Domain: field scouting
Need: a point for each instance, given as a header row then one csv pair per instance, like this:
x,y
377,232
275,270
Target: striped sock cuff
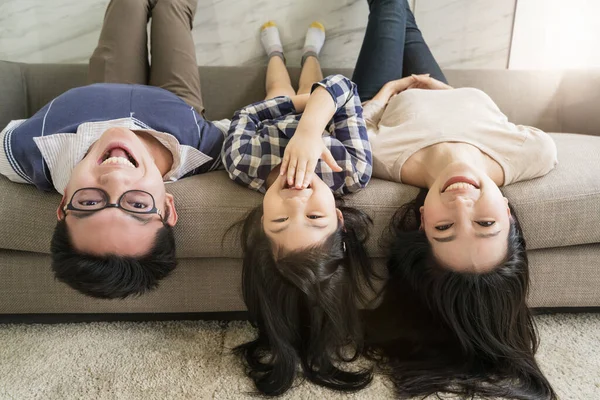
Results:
x,y
306,54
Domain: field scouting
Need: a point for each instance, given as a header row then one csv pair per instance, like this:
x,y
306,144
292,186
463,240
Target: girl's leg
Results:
x,y
311,73
122,52
311,68
384,49
278,81
174,65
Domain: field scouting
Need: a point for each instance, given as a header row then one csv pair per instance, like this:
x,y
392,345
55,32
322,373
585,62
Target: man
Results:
x,y
110,146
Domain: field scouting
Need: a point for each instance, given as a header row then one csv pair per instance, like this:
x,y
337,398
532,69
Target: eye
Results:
x,y
89,203
138,205
443,227
314,216
486,224
280,220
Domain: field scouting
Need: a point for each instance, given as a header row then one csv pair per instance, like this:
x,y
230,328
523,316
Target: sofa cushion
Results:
x,y
559,209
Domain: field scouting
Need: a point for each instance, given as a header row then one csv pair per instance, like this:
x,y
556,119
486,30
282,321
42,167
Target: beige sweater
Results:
x,y
417,118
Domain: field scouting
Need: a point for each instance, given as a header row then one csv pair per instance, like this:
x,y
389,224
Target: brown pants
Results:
x,y
122,52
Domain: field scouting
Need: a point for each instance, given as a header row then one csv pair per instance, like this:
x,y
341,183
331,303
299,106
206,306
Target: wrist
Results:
x,y
308,132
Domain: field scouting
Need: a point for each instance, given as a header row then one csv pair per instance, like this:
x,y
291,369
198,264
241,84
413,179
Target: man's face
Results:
x,y
117,162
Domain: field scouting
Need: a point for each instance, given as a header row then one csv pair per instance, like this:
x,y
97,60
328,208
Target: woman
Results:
x,y
304,254
455,307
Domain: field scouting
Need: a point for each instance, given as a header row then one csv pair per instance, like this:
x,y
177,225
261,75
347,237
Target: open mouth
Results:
x,y
288,186
117,154
459,183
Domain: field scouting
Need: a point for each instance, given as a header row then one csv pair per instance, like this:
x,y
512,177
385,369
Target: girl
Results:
x,y
304,252
455,306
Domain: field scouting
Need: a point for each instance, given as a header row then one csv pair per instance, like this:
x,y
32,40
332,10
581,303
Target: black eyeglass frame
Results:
x,y
108,204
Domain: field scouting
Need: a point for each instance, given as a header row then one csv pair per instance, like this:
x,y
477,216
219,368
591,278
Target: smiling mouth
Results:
x,y
459,186
459,183
118,155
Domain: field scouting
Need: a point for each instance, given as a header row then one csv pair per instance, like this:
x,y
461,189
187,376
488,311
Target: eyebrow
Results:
x,y
479,235
84,214
285,227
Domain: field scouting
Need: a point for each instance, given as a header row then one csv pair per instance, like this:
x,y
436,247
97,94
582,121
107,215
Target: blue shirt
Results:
x,y
148,107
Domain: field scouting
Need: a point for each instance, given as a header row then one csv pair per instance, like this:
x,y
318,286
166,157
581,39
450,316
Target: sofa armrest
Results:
x,y
579,95
13,93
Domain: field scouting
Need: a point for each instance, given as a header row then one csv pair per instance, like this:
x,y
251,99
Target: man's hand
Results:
x,y
300,159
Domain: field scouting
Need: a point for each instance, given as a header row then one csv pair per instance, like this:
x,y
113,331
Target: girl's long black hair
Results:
x,y
305,306
467,334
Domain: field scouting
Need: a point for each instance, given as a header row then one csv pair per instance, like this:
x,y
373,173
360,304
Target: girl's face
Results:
x,y
466,219
296,219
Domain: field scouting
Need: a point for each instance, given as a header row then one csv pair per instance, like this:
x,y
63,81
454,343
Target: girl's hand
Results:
x,y
300,159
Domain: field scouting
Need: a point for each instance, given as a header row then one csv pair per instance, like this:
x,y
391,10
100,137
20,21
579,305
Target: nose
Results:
x,y
462,201
115,178
296,195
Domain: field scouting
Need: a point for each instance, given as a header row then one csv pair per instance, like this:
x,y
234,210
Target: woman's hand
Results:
x,y
400,85
394,87
301,156
427,82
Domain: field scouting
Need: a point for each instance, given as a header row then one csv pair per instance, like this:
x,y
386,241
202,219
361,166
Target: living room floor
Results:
x,y
192,359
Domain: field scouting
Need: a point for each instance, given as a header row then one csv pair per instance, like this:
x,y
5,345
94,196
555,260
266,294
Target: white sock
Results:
x,y
315,38
269,36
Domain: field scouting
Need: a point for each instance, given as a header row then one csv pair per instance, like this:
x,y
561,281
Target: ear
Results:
x,y
422,226
340,217
170,204
60,213
507,207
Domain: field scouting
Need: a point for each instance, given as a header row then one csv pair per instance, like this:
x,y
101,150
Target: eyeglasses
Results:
x,y
95,199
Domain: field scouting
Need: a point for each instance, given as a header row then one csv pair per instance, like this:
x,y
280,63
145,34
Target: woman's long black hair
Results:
x,y
305,306
438,330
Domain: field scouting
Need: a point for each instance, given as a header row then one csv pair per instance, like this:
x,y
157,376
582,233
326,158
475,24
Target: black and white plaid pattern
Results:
x,y
259,133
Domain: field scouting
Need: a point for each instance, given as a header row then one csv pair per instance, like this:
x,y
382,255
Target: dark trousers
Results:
x,y
393,48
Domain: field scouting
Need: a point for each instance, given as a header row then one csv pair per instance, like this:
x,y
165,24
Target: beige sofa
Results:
x,y
560,212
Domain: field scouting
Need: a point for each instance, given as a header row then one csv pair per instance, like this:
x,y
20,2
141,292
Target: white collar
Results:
x,y
63,151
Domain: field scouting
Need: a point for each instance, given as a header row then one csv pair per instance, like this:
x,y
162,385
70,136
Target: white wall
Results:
x,y
552,34
461,33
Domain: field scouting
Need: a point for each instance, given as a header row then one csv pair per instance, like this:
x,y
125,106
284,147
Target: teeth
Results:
x,y
118,160
460,185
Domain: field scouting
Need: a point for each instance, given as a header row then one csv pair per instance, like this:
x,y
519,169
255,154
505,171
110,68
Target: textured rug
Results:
x,y
192,360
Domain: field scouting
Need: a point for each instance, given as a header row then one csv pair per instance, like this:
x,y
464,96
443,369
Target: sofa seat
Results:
x,y
555,210
560,212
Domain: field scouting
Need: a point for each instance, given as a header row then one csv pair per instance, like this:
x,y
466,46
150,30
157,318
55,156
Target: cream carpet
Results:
x,y
192,360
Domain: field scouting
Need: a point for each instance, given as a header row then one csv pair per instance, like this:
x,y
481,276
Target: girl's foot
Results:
x,y
315,38
269,37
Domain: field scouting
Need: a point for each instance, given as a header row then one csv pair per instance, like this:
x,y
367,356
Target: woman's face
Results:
x,y
466,219
294,219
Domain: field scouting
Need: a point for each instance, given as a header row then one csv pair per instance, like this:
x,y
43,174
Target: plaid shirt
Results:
x,y
259,133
